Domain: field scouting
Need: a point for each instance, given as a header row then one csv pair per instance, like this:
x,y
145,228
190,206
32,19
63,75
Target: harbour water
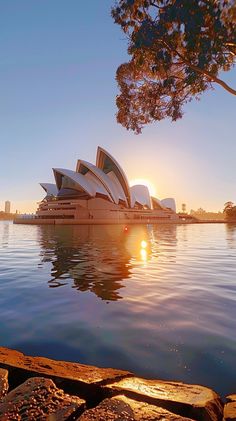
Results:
x,y
156,300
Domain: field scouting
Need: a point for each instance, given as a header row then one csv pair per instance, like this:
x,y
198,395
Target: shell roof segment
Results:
x,y
78,182
169,203
50,188
110,166
86,168
140,194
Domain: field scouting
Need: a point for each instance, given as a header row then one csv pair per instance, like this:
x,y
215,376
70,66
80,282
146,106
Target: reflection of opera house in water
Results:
x,y
101,259
100,194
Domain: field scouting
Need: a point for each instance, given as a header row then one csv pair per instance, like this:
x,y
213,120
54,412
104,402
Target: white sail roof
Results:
x,y
79,182
110,166
50,188
140,194
111,186
169,203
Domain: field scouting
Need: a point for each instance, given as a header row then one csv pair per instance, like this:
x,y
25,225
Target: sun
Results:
x,y
144,182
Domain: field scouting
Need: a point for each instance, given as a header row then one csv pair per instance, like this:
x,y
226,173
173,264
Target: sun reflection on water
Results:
x,y
143,250
143,244
143,254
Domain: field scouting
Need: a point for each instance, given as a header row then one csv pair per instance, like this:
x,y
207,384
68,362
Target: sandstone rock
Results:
x,y
190,401
37,399
66,413
146,412
109,410
231,398
3,382
230,409
61,369
125,409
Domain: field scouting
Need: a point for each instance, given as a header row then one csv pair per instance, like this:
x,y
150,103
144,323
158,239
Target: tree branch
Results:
x,y
201,71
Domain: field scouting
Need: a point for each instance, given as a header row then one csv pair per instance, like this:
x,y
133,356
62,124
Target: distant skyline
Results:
x,y
57,104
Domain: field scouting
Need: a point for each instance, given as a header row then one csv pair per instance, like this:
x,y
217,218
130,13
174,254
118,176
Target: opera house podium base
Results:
x,y
38,221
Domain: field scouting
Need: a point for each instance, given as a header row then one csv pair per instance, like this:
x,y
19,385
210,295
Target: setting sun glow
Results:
x,y
144,182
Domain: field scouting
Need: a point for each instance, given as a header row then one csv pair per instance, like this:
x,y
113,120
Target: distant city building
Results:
x,y
7,206
184,207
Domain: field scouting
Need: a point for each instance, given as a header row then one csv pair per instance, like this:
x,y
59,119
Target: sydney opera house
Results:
x,y
100,194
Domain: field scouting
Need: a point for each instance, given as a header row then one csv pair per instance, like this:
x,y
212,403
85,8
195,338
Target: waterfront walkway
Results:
x,y
36,388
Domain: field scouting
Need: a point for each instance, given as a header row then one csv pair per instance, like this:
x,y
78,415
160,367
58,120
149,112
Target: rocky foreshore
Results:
x,y
37,388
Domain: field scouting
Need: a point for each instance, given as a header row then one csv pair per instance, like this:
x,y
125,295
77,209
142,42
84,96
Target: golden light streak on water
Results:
x,y
143,254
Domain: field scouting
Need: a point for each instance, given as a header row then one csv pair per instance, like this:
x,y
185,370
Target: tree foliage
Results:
x,y
177,48
230,211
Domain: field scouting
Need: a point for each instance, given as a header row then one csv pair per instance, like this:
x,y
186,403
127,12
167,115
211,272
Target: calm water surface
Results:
x,y
96,295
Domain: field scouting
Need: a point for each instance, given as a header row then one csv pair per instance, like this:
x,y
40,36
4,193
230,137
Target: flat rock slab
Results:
x,y
67,413
61,369
108,410
230,410
3,382
39,399
191,401
124,409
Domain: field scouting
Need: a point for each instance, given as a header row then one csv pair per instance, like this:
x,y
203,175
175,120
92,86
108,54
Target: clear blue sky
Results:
x,y
57,103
